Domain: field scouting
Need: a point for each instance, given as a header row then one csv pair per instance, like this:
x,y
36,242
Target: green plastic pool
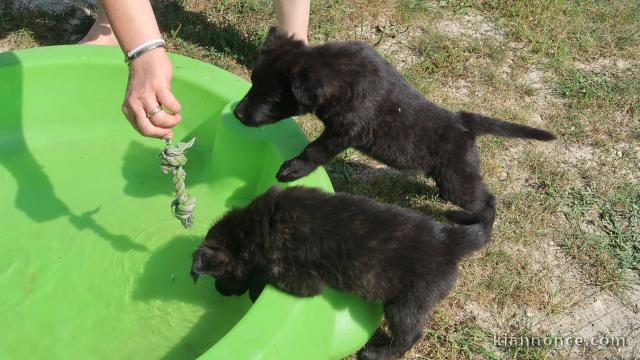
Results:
x,y
93,265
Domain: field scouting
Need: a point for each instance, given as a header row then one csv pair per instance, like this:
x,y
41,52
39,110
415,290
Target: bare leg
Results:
x,y
293,17
101,32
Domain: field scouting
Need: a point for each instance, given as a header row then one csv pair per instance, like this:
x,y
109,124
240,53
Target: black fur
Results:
x,y
301,240
366,104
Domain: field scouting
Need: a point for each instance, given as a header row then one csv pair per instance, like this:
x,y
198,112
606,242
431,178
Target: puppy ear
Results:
x,y
312,86
307,87
274,33
264,204
279,39
210,261
200,256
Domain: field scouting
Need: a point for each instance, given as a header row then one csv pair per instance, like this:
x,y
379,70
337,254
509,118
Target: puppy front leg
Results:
x,y
299,283
317,153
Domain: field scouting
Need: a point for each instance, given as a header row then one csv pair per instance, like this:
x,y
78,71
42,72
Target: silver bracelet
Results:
x,y
143,49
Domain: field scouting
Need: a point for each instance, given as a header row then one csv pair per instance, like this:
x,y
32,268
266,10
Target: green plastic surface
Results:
x,y
93,265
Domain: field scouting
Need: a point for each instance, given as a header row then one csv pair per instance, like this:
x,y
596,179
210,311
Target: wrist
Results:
x,y
152,56
143,48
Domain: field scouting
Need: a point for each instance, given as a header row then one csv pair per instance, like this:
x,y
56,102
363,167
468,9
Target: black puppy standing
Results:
x,y
301,240
366,104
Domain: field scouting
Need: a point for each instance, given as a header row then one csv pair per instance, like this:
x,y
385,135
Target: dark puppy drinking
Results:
x,y
301,240
366,104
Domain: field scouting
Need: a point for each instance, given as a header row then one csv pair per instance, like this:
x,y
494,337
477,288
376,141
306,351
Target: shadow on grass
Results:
x,y
69,26
195,28
407,189
47,28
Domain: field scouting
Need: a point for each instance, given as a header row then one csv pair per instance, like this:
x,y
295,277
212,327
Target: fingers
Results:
x,y
165,120
169,101
137,116
161,118
147,128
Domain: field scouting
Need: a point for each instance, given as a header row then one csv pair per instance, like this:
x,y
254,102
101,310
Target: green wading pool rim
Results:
x,y
277,326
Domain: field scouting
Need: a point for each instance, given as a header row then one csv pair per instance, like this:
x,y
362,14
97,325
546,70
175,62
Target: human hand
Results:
x,y
150,86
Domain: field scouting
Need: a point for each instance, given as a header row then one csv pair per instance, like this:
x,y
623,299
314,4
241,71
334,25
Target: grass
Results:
x,y
603,106
569,66
441,60
565,30
449,339
602,215
604,232
513,280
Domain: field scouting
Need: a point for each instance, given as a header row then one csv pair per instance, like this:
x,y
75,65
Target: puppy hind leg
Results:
x,y
406,318
462,184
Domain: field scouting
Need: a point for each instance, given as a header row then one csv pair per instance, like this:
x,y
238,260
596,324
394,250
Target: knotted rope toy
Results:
x,y
173,159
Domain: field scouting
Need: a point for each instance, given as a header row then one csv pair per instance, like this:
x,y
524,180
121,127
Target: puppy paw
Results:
x,y
294,169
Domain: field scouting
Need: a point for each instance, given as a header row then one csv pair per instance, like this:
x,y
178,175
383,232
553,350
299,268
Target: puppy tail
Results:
x,y
470,232
481,125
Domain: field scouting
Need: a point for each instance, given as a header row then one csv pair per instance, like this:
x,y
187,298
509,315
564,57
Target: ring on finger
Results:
x,y
154,111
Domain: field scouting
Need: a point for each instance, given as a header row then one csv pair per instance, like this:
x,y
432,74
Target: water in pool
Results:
x,y
105,268
92,263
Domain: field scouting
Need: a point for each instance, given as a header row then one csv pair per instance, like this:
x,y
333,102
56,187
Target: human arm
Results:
x,y
149,84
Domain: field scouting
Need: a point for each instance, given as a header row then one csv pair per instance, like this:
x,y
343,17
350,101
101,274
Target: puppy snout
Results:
x,y
198,265
196,269
194,276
